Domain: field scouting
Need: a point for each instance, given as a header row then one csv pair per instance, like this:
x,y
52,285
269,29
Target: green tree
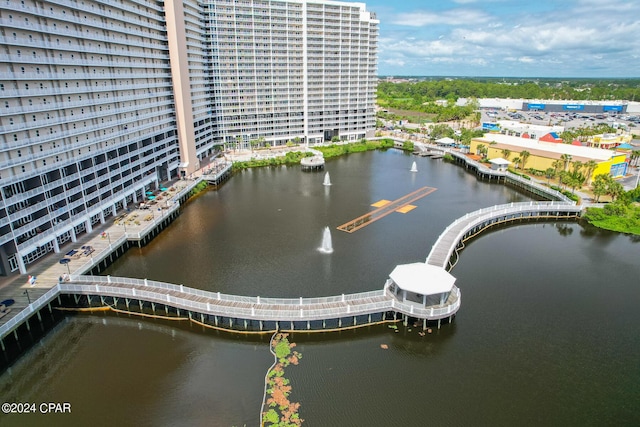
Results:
x,y
577,166
506,153
589,167
575,181
614,189
550,173
600,186
480,149
516,162
524,156
563,177
253,144
557,165
566,159
440,131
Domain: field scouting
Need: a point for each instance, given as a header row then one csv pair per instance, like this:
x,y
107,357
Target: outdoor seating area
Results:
x,y
127,219
77,253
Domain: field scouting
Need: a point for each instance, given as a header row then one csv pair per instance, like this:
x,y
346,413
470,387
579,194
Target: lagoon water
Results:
x,y
546,334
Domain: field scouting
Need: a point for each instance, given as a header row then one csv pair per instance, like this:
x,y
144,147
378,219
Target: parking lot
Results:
x,y
568,120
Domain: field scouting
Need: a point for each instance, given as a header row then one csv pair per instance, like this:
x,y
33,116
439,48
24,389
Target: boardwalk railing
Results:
x,y
550,192
35,306
448,240
233,306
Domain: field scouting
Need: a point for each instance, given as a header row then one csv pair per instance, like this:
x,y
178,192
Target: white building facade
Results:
x,y
292,70
88,119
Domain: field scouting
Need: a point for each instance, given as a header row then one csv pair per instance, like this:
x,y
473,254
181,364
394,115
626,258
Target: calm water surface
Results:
x,y
546,334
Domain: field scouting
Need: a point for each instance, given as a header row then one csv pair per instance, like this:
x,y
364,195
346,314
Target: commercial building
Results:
x,y
526,130
608,140
543,154
557,106
103,100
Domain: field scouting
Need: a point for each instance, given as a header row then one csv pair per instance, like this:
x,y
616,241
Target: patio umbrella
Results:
x,y
149,193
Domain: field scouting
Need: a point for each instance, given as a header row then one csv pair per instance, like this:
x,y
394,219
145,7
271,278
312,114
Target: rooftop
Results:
x,y
422,278
547,149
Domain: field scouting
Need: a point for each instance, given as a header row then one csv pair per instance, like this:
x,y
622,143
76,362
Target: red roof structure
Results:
x,y
551,137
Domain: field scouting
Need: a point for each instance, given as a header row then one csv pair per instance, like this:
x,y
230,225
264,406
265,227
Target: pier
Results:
x,y
384,210
444,251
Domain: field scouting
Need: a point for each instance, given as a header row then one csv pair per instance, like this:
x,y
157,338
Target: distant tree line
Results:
x,y
421,92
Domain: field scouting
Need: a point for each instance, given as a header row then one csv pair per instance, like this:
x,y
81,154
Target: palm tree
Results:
x,y
589,167
506,153
614,189
550,173
566,158
599,186
480,149
577,165
557,165
524,156
516,162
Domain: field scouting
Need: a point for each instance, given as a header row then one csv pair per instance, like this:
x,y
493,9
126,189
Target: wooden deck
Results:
x,y
381,212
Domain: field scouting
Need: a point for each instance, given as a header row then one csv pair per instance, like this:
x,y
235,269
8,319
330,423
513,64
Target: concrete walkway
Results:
x,y
48,269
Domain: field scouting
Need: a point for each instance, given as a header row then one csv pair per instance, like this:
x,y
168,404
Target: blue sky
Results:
x,y
509,38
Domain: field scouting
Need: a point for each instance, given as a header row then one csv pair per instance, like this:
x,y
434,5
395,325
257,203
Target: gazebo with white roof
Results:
x,y
421,283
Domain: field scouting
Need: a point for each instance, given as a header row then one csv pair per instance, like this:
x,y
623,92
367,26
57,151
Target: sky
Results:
x,y
508,38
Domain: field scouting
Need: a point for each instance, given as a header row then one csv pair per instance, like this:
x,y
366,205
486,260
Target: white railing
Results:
x,y
26,313
227,298
235,306
253,311
472,219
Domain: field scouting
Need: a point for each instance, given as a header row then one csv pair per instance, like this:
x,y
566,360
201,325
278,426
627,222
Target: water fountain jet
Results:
x,y
327,246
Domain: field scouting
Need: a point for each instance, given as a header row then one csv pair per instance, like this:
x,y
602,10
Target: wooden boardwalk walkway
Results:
x,y
381,212
246,307
473,223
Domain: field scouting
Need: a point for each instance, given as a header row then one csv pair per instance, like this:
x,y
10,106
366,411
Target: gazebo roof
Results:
x,y
422,278
446,141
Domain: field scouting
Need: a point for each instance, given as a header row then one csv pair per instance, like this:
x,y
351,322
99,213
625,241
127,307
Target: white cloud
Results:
x,y
575,38
448,17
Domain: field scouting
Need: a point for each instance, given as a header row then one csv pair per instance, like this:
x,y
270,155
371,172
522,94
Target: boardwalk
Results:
x,y
101,291
246,307
474,222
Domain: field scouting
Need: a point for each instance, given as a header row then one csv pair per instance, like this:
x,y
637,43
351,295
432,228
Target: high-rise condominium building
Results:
x,y
292,70
104,99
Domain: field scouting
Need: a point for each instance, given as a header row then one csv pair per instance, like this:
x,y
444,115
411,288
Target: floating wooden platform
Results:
x,y
384,208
